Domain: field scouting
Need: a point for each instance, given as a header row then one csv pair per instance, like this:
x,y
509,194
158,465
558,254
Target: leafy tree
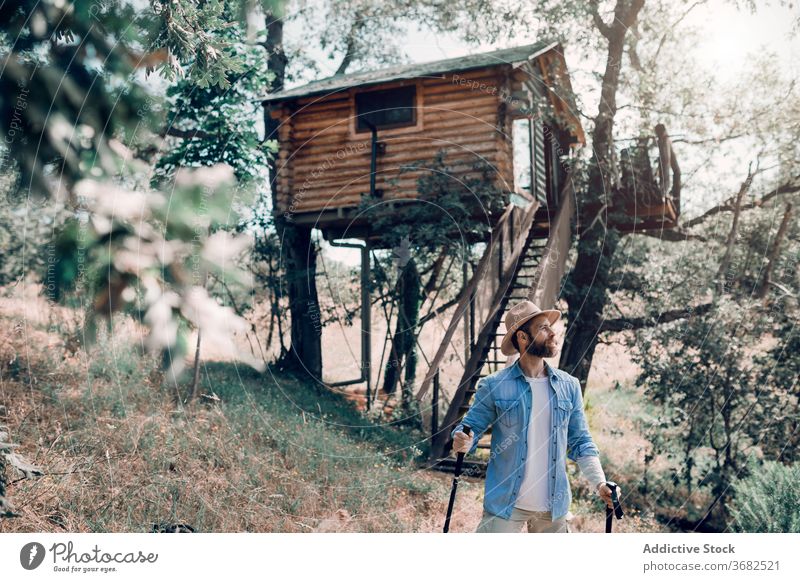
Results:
x,y
722,395
78,120
208,125
76,112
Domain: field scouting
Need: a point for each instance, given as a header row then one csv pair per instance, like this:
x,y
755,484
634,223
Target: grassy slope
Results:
x,y
273,454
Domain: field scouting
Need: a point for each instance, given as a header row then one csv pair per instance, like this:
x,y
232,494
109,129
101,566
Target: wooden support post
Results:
x,y
435,407
366,318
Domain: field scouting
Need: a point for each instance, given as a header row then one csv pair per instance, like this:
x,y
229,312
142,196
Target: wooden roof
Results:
x,y
513,56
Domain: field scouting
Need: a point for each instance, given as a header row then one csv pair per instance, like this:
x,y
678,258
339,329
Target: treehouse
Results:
x,y
371,136
355,136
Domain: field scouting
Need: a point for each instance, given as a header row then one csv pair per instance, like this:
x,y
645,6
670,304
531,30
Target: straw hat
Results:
x,y
517,316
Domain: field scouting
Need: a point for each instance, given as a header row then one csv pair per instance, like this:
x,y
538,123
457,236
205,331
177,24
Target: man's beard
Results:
x,y
541,350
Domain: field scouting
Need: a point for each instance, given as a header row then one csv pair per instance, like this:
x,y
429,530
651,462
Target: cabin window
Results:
x,y
386,108
523,155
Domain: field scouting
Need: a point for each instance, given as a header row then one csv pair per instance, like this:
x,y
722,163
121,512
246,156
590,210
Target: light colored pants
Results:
x,y
538,522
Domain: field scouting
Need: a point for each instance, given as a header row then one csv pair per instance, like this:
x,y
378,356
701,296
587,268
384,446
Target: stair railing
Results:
x,y
493,271
544,291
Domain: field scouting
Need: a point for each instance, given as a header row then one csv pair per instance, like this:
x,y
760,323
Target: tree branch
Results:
x,y
670,235
175,132
604,29
732,233
787,188
629,16
350,48
442,308
633,53
436,270
714,140
774,252
628,323
671,29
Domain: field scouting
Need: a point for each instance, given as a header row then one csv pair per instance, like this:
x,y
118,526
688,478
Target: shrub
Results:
x,y
768,501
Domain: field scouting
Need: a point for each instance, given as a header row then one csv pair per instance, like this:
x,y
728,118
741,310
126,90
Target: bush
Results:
x,y
768,501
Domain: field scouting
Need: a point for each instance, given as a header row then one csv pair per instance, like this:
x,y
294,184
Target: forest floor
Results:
x,y
255,452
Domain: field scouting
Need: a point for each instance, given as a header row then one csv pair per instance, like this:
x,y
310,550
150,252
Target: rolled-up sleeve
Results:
x,y
579,441
592,470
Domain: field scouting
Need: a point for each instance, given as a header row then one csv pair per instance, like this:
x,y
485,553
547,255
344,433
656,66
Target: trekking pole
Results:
x,y
617,509
459,462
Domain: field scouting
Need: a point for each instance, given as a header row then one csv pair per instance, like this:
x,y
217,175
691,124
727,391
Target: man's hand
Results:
x,y
462,443
604,491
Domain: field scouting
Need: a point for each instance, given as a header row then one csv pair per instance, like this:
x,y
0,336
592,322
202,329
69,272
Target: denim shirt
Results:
x,y
503,400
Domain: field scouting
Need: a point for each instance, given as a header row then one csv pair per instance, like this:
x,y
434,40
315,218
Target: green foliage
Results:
x,y
210,124
219,124
449,207
189,29
768,500
780,368
77,120
27,229
708,391
720,393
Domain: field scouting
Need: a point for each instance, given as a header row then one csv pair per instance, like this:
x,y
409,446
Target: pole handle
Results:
x,y
460,457
616,510
457,471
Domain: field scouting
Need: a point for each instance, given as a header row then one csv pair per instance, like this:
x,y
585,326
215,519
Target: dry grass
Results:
x,y
272,454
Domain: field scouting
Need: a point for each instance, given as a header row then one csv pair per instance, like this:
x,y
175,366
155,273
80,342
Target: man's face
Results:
x,y
544,344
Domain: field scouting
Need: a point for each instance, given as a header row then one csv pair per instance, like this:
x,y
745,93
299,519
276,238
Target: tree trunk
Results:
x,y
305,350
723,277
409,292
587,284
774,253
411,305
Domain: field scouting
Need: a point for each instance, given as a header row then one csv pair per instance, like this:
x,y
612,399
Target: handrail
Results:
x,y
480,271
554,257
543,292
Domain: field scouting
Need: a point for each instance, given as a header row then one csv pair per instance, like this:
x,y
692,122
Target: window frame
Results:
x,y
394,128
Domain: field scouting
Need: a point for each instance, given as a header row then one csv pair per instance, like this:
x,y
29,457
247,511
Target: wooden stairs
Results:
x,y
525,259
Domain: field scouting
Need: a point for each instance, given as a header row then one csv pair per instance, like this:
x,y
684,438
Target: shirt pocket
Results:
x,y
509,412
563,412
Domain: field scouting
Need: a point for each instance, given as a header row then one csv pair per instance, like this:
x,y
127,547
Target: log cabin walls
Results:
x,y
467,108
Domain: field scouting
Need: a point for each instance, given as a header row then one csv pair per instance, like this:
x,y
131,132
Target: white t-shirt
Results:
x,y
533,491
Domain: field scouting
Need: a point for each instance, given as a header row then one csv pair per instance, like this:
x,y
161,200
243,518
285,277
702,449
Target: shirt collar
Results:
x,y
516,370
